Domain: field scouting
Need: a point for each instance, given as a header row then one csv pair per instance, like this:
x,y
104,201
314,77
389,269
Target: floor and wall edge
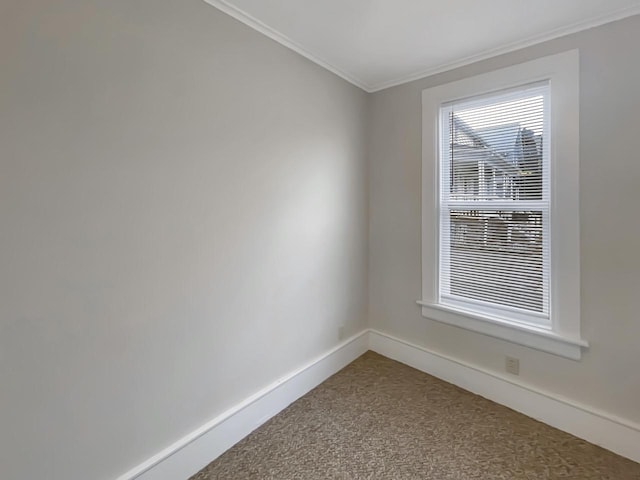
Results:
x,y
191,453
615,434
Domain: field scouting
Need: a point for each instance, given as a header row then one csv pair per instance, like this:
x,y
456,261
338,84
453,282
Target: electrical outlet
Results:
x,y
512,365
341,332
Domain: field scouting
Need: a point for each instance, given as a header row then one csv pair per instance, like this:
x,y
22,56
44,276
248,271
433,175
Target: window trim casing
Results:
x,y
562,73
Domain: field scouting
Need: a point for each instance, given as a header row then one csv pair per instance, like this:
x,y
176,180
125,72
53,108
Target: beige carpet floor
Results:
x,y
379,419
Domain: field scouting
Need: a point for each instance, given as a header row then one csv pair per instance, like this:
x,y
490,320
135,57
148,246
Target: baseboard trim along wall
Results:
x,y
191,453
188,455
615,434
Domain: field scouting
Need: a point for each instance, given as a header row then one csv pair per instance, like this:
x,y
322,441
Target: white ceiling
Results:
x,y
379,43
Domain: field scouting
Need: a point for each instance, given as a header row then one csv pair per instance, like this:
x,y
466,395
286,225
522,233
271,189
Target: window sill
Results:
x,y
527,335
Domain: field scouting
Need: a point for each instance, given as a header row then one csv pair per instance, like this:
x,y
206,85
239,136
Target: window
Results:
x,y
500,204
494,204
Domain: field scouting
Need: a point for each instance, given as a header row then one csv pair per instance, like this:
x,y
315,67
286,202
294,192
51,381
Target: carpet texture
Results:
x,y
379,419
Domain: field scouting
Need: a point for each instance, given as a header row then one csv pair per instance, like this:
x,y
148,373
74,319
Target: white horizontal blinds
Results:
x,y
494,198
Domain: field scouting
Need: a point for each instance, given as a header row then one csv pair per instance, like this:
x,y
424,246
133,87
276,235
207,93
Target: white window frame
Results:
x,y
562,337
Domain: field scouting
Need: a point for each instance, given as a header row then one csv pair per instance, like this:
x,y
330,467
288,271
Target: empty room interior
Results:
x,y
338,239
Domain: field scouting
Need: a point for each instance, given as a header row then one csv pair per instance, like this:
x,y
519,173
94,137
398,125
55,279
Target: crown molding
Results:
x,y
242,16
511,47
273,34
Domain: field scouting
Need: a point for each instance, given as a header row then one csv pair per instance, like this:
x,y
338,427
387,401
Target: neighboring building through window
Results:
x,y
501,233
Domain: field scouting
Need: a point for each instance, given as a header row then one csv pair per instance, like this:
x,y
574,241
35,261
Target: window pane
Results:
x,y
496,149
497,257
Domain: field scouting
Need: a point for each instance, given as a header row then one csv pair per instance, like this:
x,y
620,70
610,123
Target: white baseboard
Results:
x,y
615,434
194,451
188,455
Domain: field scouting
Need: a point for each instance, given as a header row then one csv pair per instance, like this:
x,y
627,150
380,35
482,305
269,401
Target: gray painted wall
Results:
x,y
184,220
184,208
607,377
